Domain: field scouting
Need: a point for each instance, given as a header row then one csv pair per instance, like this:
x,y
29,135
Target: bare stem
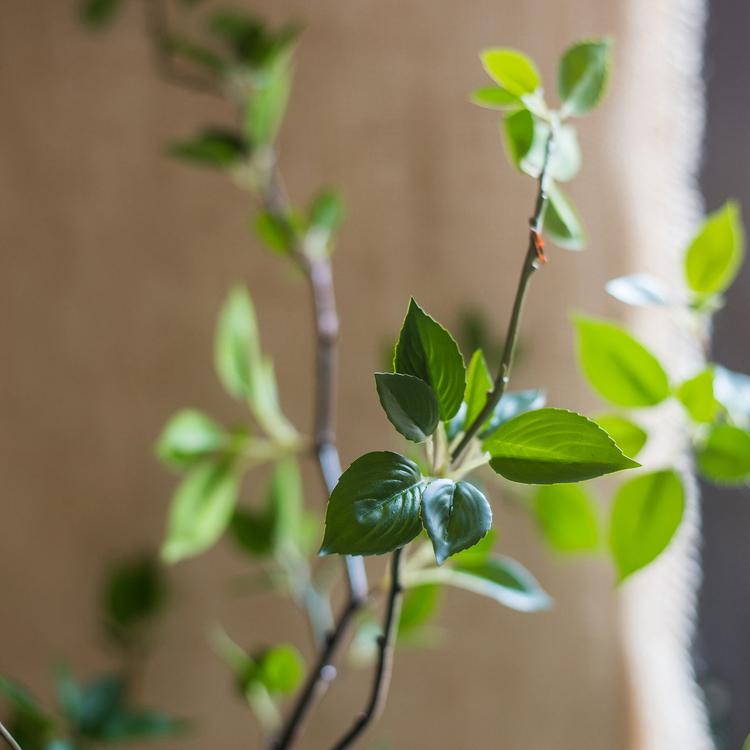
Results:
x,y
532,260
8,737
382,679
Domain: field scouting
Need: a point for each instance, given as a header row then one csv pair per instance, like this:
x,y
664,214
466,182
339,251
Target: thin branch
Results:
x,y
8,737
532,260
386,643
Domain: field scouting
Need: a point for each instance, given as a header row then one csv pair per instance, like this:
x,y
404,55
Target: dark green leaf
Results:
x,y
561,222
374,508
184,48
639,289
494,97
478,386
697,396
136,725
519,132
212,148
456,516
201,510
427,351
647,512
582,77
409,403
629,437
618,367
249,40
567,517
133,592
512,70
24,704
716,252
188,437
90,707
511,405
253,531
550,446
724,457
99,12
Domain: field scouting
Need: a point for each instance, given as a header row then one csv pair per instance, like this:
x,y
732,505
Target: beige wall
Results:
x,y
116,261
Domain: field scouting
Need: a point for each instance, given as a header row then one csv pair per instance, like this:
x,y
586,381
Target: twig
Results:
x,y
386,642
8,737
533,259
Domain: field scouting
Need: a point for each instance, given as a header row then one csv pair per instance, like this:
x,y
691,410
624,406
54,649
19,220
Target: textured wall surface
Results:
x,y
116,261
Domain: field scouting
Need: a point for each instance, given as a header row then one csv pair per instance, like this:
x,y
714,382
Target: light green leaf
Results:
x,y
477,554
561,222
494,97
281,669
582,77
715,254
267,104
746,746
511,405
188,437
409,403
201,510
212,148
419,606
551,446
619,368
327,212
566,515
640,289
724,457
629,437
647,512
512,70
478,385
427,351
499,578
374,508
456,516
697,396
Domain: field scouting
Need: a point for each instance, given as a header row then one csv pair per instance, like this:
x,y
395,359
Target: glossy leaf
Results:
x,y
427,351
212,148
511,405
619,367
561,222
582,76
724,456
716,252
512,70
188,437
374,508
647,512
697,396
201,510
567,517
629,437
456,516
551,446
640,289
494,97
499,578
409,403
478,385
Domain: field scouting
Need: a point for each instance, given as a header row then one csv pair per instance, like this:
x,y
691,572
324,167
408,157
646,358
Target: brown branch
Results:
x,y
532,260
386,643
8,737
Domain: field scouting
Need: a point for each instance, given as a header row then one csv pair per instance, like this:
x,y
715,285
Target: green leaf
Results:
x,y
197,54
512,70
252,531
249,40
478,385
456,516
551,446
499,578
281,669
90,707
188,437
567,517
629,437
511,405
135,725
494,97
697,396
582,77
409,403
724,457
24,704
746,746
619,368
274,232
647,512
519,133
212,148
201,510
419,606
327,212
267,103
476,555
561,222
640,289
99,12
374,508
715,254
428,352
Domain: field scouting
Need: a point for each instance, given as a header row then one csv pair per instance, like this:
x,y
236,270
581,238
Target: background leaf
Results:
x,y
619,368
212,148
639,289
646,513
561,222
409,403
567,518
99,12
629,437
582,76
188,437
697,396
494,97
724,456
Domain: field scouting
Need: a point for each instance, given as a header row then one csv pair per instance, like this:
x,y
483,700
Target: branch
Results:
x,y
8,737
532,261
386,643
